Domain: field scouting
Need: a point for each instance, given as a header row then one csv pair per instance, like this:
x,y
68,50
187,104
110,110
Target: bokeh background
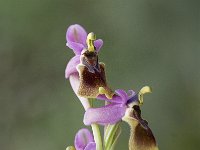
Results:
x,y
146,42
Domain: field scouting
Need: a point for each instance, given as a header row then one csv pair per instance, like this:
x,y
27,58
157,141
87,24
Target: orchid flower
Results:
x,y
114,111
85,73
76,37
125,106
84,140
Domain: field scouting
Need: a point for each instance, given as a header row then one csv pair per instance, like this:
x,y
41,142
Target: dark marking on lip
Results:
x,y
141,136
92,76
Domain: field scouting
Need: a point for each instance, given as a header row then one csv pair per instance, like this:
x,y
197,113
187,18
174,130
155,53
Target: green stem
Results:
x,y
96,131
116,136
109,135
97,136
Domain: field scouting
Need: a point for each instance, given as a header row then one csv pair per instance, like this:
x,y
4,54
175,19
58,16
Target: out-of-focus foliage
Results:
x,y
154,43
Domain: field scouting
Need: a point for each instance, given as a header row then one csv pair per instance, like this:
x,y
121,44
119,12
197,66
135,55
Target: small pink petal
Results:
x,y
131,93
122,94
98,44
76,47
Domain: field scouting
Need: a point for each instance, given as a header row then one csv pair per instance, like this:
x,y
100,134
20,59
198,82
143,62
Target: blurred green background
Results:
x,y
146,42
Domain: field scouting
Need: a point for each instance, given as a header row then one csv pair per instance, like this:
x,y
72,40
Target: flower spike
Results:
x,y
91,37
88,79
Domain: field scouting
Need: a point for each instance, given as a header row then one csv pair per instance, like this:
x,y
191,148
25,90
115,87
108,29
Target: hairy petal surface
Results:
x,y
75,82
141,136
108,114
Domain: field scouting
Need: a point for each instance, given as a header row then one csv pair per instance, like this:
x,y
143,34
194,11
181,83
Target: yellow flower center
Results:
x,y
91,37
144,90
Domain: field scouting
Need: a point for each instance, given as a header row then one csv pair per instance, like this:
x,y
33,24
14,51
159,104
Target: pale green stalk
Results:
x,y
116,136
109,137
97,136
96,131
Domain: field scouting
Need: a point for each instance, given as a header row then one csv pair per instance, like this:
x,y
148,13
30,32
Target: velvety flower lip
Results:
x,y
110,113
92,77
76,40
75,83
84,140
141,136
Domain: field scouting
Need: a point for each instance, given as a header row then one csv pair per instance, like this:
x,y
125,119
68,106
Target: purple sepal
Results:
x,y
108,114
98,44
83,139
71,66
